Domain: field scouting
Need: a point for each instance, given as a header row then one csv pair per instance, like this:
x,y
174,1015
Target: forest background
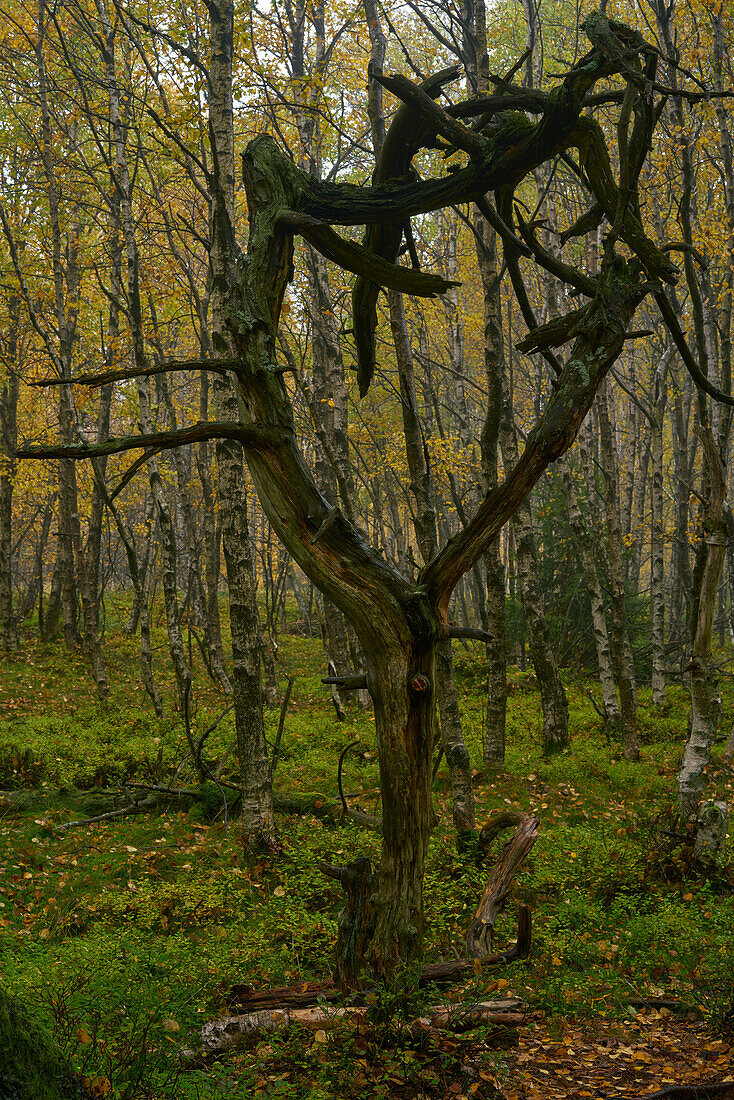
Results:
x,y
616,573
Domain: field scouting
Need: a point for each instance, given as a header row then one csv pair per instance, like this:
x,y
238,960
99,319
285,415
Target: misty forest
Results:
x,y
366,550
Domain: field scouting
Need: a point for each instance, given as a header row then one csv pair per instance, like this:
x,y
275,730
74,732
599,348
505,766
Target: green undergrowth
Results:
x,y
123,938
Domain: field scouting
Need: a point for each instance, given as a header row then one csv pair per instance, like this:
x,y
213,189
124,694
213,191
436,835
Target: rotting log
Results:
x,y
245,1031
702,1090
670,1005
249,999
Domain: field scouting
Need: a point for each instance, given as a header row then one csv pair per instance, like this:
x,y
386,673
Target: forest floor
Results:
x,y
125,937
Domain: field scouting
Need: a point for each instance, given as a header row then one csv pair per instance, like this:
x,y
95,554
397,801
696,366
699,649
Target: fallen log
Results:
x,y
703,1090
141,807
288,996
242,1032
662,1002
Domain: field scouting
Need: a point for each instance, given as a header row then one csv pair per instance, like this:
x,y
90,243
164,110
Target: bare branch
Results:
x,y
458,135
472,632
360,261
689,360
103,378
253,437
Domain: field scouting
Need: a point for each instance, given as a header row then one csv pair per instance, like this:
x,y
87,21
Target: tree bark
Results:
x,y
8,443
257,800
586,549
624,669
705,697
657,542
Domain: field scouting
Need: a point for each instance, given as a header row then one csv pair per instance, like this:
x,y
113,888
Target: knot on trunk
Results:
x,y
419,685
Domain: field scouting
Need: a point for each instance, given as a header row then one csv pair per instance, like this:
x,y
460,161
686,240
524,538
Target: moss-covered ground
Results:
x,y
123,938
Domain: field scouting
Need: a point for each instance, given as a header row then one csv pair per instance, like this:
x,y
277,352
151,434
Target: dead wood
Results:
x,y
281,725
287,996
347,683
245,1031
439,973
356,920
497,823
498,885
141,807
662,1002
321,806
704,1090
357,816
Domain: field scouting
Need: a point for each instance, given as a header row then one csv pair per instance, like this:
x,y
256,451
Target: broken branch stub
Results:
x,y
498,887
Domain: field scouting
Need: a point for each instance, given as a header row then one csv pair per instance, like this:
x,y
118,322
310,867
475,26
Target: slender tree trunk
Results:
x,y
257,800
8,442
634,562
624,669
48,623
74,543
585,544
657,542
93,548
146,589
680,566
212,523
705,696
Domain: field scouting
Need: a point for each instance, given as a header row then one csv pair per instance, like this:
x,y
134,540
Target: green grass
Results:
x,y
124,937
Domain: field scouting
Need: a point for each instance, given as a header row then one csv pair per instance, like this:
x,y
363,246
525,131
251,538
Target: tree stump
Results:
x,y
356,920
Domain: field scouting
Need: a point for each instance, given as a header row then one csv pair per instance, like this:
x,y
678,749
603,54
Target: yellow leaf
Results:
x,y
170,1025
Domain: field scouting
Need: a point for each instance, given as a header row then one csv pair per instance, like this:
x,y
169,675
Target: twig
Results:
x,y
360,818
136,808
210,729
281,725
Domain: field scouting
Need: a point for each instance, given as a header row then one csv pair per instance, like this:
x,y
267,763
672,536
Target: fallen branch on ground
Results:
x,y
661,1002
141,807
704,1090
